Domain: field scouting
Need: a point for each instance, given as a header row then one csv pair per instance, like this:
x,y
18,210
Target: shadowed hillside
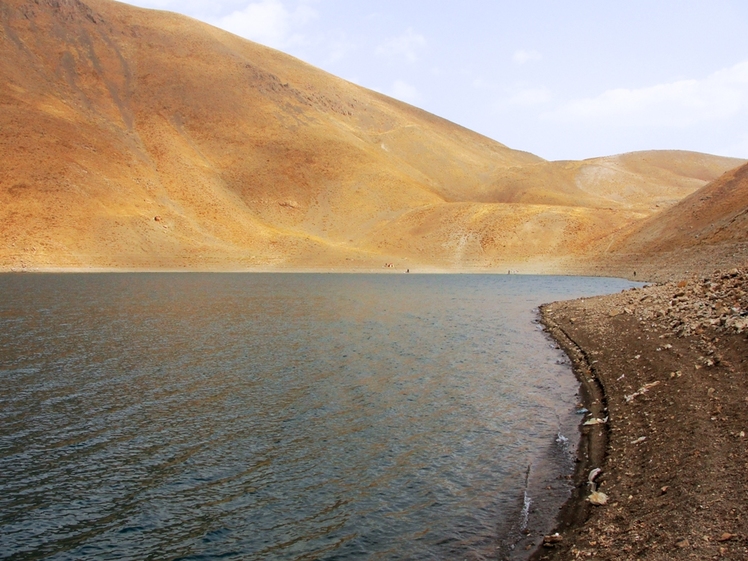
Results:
x,y
707,229
133,138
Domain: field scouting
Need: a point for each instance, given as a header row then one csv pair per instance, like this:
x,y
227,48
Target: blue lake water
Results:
x,y
279,416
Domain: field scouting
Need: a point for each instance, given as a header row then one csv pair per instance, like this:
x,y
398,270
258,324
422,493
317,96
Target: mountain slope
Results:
x,y
716,213
134,138
707,229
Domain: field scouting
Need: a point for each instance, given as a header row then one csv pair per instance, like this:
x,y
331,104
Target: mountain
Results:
x,y
134,138
707,229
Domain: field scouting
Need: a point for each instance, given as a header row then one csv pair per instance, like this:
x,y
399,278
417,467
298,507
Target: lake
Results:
x,y
281,416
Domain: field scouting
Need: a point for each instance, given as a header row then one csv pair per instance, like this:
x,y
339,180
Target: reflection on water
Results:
x,y
258,416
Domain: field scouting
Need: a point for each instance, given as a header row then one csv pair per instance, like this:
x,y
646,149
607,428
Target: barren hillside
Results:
x,y
717,213
708,229
133,138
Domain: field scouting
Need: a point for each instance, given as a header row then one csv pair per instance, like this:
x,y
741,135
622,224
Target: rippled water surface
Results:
x,y
251,416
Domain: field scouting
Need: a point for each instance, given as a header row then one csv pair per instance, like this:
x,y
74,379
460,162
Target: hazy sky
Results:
x,y
562,79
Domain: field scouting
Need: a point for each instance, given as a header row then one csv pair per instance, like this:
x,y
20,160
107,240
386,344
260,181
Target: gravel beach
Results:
x,y
663,371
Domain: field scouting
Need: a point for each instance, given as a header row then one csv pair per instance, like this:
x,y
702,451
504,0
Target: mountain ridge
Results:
x,y
141,139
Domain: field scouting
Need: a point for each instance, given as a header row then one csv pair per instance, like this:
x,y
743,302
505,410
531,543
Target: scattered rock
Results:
x,y
593,474
687,476
598,499
644,389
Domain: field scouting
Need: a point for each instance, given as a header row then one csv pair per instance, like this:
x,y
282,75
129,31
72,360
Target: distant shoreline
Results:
x,y
423,270
662,267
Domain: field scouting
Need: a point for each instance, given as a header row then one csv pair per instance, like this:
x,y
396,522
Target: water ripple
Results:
x,y
273,417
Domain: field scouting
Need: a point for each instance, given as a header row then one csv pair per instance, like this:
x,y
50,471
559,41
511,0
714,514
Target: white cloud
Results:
x,y
268,22
406,45
404,92
522,56
718,97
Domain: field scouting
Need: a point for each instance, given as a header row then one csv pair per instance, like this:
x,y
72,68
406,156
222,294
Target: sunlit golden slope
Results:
x,y
640,181
133,138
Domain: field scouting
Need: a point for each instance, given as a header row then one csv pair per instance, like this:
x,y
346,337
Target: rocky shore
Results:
x,y
664,372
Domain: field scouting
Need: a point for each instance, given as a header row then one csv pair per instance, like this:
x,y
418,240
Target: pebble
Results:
x,y
598,499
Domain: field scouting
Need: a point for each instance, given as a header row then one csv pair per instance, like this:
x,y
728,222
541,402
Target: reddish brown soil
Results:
x,y
667,365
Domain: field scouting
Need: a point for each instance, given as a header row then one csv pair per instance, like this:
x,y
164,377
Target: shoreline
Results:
x,y
593,440
666,365
343,270
666,266
301,271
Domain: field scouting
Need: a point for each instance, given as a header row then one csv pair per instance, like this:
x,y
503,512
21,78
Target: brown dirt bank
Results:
x,y
671,363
